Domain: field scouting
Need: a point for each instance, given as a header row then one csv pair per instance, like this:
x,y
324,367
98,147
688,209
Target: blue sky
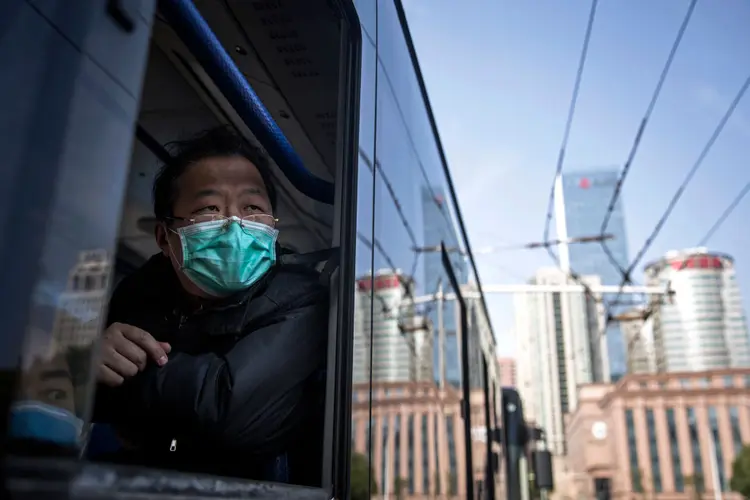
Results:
x,y
500,76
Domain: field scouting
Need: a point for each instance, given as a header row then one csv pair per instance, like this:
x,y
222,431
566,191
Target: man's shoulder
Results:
x,y
296,284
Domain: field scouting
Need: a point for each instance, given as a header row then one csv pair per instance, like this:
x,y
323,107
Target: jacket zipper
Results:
x,y
173,445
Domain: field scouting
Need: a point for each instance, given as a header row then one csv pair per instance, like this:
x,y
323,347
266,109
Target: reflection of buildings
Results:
x,y
480,340
420,331
559,348
81,306
658,434
439,228
399,339
506,368
582,199
703,326
639,341
417,436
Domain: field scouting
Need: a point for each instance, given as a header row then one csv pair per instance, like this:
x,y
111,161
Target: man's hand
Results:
x,y
125,350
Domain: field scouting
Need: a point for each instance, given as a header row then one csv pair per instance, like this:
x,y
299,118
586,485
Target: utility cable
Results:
x,y
681,189
566,137
639,136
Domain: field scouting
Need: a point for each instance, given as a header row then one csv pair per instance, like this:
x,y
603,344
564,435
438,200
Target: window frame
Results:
x,y
98,480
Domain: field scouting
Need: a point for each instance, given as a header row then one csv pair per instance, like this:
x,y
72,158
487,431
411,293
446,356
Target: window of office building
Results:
x,y
410,453
695,446
635,471
560,345
384,456
718,457
425,457
437,458
653,451
397,456
674,444
734,418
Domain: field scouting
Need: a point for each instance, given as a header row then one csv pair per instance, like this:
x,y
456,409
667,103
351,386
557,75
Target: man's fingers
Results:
x,y
146,342
107,376
120,364
131,351
167,348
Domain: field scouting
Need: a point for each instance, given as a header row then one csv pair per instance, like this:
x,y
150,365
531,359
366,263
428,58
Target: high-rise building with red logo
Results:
x,y
582,199
401,341
703,326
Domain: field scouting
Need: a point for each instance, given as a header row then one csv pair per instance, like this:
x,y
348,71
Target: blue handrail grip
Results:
x,y
193,30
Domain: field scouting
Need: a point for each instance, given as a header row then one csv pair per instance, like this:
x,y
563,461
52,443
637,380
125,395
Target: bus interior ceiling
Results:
x,y
290,58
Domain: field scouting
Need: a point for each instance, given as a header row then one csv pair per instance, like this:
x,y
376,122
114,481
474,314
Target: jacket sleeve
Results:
x,y
252,397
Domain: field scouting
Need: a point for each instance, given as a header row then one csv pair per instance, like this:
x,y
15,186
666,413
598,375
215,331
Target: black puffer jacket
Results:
x,y
243,382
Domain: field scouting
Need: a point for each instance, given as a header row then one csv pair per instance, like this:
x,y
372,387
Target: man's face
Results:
x,y
49,381
228,186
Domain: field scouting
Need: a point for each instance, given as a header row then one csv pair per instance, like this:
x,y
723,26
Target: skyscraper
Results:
x,y
506,368
582,199
558,349
703,326
437,228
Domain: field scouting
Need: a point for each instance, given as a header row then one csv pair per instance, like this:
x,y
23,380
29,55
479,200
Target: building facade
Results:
x,y
670,435
506,369
582,199
416,437
703,325
562,329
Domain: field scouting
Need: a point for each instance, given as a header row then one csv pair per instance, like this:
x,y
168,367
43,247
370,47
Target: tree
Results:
x,y
362,478
638,481
741,473
696,484
534,493
398,487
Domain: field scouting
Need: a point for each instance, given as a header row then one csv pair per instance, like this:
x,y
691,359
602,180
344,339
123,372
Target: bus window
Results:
x,y
150,148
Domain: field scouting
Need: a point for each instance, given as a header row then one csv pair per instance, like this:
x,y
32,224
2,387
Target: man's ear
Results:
x,y
161,236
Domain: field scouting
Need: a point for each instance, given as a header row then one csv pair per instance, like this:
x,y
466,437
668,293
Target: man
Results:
x,y
212,358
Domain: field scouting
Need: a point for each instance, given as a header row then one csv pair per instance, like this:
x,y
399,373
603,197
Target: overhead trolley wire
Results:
x,y
653,304
681,189
639,136
725,215
564,145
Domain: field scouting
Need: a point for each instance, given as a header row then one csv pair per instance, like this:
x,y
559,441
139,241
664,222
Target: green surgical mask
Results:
x,y
226,256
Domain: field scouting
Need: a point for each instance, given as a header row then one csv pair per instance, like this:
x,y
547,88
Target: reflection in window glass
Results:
x,y
384,456
452,465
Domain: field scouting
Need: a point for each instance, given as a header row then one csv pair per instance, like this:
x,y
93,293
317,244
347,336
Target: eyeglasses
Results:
x,y
265,219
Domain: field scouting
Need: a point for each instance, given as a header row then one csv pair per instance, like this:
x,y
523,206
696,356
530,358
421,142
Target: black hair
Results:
x,y
220,141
